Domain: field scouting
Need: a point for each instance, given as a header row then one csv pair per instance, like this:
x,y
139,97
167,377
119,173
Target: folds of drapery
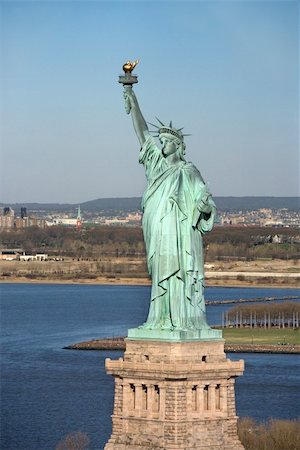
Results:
x,y
178,209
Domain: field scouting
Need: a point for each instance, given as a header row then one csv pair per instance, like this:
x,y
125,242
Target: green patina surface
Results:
x,y
174,334
177,210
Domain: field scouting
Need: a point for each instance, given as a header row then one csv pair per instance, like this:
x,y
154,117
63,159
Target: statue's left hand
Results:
x,y
205,206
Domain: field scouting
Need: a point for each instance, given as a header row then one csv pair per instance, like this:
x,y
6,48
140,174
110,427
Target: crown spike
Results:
x,y
171,126
162,124
152,124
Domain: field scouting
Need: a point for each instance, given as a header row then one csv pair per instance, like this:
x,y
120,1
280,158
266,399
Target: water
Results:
x,y
47,392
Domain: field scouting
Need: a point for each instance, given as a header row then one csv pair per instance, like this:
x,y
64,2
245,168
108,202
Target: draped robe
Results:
x,y
173,225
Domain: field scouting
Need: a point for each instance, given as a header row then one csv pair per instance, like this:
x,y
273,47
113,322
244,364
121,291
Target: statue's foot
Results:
x,y
167,325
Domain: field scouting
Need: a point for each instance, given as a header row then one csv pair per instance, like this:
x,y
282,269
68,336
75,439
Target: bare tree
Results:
x,y
74,441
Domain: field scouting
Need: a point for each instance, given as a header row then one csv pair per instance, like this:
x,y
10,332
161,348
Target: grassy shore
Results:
x,y
262,336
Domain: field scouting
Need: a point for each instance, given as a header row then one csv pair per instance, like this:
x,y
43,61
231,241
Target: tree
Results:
x,y
74,441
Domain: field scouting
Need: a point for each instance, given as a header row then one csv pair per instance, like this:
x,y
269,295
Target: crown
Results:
x,y
168,129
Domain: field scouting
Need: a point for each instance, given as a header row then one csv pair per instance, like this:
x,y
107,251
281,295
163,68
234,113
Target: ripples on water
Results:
x,y
48,392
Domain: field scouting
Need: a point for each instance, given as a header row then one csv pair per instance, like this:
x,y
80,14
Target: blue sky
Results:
x,y
228,71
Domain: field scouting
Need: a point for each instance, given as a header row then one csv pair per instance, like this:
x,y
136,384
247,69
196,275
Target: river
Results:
x,y
48,392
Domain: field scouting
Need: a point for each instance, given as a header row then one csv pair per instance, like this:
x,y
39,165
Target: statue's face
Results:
x,y
169,146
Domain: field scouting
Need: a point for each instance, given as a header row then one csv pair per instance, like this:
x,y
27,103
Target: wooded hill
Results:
x,y
114,205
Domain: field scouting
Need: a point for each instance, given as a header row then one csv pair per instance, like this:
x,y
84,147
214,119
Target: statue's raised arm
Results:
x,y
131,103
132,106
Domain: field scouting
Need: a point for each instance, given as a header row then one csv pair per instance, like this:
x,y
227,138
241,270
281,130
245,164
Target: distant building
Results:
x,y
37,257
26,222
79,219
7,218
9,254
66,221
21,222
23,212
37,222
116,221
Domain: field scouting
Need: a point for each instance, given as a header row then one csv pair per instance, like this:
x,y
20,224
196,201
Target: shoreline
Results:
x,y
118,344
143,282
86,281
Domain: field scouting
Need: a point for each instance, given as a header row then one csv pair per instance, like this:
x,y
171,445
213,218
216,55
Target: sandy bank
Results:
x,y
132,271
140,282
99,280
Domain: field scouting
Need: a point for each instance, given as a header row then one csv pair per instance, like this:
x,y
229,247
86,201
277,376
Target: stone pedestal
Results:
x,y
174,396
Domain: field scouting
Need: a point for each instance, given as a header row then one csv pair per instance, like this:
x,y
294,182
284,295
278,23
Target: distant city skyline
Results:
x,y
227,71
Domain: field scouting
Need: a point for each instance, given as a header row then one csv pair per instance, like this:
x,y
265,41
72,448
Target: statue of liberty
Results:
x,y
177,210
